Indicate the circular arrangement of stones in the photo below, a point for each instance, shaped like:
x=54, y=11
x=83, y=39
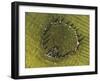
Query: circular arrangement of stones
x=59, y=39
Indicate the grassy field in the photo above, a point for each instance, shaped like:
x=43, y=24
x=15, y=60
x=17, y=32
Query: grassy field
x=34, y=26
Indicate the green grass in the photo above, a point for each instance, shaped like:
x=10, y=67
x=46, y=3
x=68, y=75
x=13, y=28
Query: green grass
x=34, y=25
